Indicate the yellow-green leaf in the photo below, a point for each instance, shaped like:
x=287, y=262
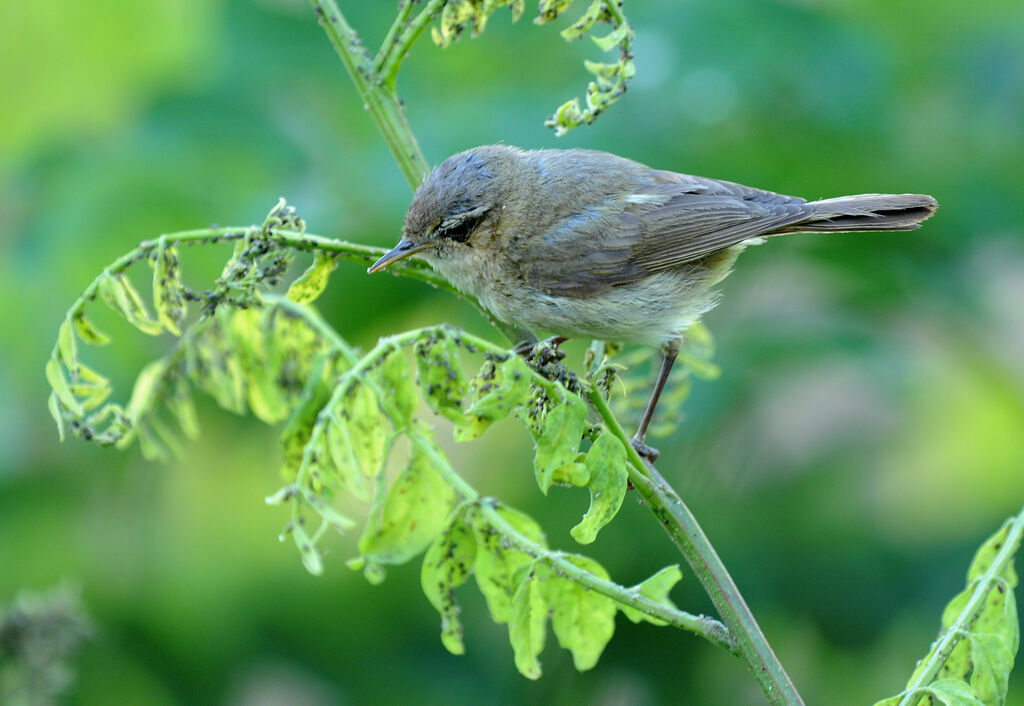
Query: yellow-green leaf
x=313, y=281
x=59, y=385
x=559, y=441
x=583, y=620
x=398, y=392
x=88, y=331
x=446, y=566
x=497, y=563
x=606, y=464
x=527, y=626
x=408, y=517
x=494, y=393
x=656, y=588
x=168, y=289
x=440, y=376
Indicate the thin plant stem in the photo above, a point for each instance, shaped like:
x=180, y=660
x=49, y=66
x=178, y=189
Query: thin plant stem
x=687, y=535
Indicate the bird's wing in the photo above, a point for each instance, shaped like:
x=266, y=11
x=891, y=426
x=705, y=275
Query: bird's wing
x=671, y=220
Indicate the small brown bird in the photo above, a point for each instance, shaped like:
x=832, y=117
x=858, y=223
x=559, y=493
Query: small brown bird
x=580, y=243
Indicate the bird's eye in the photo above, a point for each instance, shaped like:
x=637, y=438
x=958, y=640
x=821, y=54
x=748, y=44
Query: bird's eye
x=459, y=231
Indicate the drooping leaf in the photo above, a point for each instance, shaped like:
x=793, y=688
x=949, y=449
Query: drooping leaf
x=313, y=281
x=583, y=620
x=307, y=549
x=146, y=389
x=59, y=385
x=213, y=366
x=91, y=388
x=88, y=331
x=494, y=393
x=356, y=437
x=656, y=588
x=299, y=427
x=168, y=289
x=440, y=376
x=497, y=563
x=183, y=407
x=559, y=441
x=596, y=11
x=250, y=340
x=409, y=515
x=527, y=625
x=607, y=480
x=58, y=416
x=119, y=294
x=398, y=392
x=446, y=566
x=613, y=39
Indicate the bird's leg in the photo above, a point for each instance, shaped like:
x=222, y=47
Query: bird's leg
x=671, y=350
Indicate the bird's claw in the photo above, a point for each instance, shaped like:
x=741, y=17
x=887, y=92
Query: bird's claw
x=646, y=452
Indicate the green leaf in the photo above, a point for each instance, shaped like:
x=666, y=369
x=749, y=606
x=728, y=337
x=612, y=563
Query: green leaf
x=168, y=289
x=356, y=437
x=577, y=29
x=88, y=332
x=410, y=514
x=183, y=407
x=313, y=281
x=54, y=404
x=250, y=340
x=119, y=294
x=307, y=549
x=147, y=388
x=398, y=392
x=214, y=367
x=66, y=345
x=606, y=465
x=953, y=692
x=440, y=376
x=613, y=39
x=559, y=441
x=526, y=626
x=497, y=563
x=548, y=10
x=299, y=427
x=494, y=393
x=583, y=620
x=446, y=566
x=656, y=588
x=92, y=388
x=59, y=385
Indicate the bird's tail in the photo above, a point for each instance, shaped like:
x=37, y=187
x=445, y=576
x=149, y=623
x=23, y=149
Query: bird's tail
x=866, y=212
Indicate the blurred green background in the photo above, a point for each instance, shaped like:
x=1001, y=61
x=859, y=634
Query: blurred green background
x=867, y=432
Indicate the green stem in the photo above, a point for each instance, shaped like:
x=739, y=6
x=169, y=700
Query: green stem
x=396, y=46
x=961, y=626
x=687, y=535
x=379, y=99
x=708, y=628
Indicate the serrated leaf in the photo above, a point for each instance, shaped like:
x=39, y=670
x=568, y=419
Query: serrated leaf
x=526, y=626
x=446, y=566
x=313, y=281
x=656, y=588
x=494, y=393
x=559, y=441
x=612, y=39
x=398, y=392
x=440, y=376
x=606, y=466
x=497, y=563
x=168, y=289
x=119, y=294
x=88, y=332
x=583, y=620
x=408, y=517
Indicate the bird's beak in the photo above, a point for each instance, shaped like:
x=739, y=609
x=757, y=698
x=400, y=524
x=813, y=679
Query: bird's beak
x=404, y=249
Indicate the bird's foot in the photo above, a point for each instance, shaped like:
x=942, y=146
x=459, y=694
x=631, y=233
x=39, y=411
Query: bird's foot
x=548, y=345
x=646, y=452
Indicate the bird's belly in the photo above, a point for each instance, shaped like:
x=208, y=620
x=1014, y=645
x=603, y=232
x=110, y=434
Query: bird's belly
x=654, y=310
